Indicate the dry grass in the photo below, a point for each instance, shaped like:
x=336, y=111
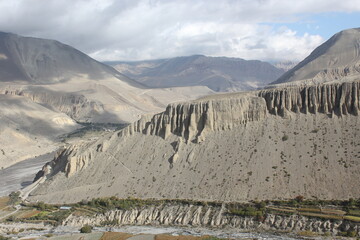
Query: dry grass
x=288, y=210
x=115, y=236
x=322, y=210
x=28, y=213
x=307, y=234
x=333, y=211
x=4, y=202
x=352, y=218
x=325, y=216
x=181, y=237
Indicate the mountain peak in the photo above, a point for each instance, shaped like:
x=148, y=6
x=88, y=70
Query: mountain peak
x=331, y=61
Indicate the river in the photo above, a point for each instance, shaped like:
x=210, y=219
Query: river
x=22, y=174
x=147, y=232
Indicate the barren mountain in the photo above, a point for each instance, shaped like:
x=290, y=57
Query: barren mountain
x=284, y=65
x=338, y=59
x=63, y=78
x=42, y=80
x=218, y=73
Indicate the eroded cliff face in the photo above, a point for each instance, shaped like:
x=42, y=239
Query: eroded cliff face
x=191, y=121
x=78, y=107
x=338, y=99
x=270, y=144
x=210, y=216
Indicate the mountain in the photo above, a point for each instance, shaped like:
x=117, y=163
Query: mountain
x=43, y=61
x=46, y=87
x=63, y=78
x=338, y=59
x=284, y=65
x=218, y=73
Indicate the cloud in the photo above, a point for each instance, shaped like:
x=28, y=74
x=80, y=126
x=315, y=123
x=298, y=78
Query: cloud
x=148, y=29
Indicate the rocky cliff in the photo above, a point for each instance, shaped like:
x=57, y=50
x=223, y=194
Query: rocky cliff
x=269, y=144
x=76, y=106
x=190, y=120
x=334, y=99
x=210, y=216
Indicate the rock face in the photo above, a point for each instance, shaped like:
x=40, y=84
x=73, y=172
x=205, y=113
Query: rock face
x=338, y=59
x=210, y=216
x=190, y=120
x=220, y=74
x=337, y=99
x=269, y=144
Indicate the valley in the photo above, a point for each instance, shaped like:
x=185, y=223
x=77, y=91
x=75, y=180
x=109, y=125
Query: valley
x=112, y=154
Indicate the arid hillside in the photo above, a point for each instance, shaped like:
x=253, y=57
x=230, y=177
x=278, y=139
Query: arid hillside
x=336, y=60
x=270, y=144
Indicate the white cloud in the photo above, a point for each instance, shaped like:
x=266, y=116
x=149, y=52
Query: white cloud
x=146, y=29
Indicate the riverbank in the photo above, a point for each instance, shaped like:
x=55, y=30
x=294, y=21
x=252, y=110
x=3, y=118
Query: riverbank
x=22, y=174
x=298, y=217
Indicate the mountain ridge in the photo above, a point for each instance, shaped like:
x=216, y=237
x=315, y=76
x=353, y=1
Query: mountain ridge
x=217, y=73
x=338, y=54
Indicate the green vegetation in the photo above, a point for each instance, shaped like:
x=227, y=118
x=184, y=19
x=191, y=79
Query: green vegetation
x=246, y=211
x=95, y=127
x=14, y=198
x=86, y=229
x=348, y=210
x=214, y=238
x=285, y=138
x=4, y=238
x=348, y=234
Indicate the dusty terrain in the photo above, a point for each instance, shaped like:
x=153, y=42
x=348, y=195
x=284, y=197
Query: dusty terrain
x=28, y=129
x=270, y=144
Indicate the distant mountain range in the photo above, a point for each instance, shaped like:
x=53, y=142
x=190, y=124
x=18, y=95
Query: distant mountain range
x=220, y=74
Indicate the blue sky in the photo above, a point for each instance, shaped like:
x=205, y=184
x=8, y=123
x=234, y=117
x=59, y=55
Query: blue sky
x=152, y=29
x=323, y=24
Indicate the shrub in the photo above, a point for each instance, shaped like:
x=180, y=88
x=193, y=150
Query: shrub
x=285, y=137
x=86, y=229
x=14, y=198
x=4, y=238
x=299, y=198
x=348, y=234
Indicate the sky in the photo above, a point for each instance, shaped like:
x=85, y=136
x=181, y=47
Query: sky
x=130, y=30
